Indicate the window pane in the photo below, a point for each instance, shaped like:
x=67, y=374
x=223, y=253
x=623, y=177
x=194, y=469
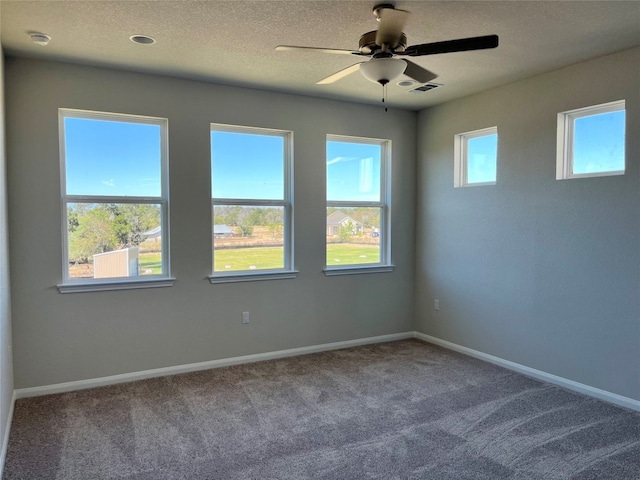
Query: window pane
x=247, y=238
x=599, y=143
x=353, y=235
x=248, y=166
x=109, y=240
x=111, y=158
x=353, y=172
x=482, y=153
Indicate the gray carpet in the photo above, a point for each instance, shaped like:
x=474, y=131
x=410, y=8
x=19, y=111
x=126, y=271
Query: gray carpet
x=400, y=410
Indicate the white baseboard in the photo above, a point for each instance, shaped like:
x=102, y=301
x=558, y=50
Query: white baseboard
x=7, y=430
x=537, y=374
x=227, y=362
x=193, y=367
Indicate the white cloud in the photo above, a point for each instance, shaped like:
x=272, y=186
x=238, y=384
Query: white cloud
x=341, y=159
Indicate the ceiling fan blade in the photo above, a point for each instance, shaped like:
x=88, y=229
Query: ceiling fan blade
x=392, y=23
x=419, y=74
x=340, y=74
x=449, y=46
x=284, y=48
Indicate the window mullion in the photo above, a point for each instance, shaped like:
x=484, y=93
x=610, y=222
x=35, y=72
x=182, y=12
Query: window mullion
x=248, y=202
x=103, y=199
x=346, y=204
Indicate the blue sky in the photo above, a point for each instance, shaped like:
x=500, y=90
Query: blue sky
x=247, y=166
x=106, y=158
x=353, y=171
x=112, y=158
x=251, y=166
x=599, y=143
x=482, y=157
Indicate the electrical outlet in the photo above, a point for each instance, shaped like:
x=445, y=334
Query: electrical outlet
x=436, y=305
x=245, y=317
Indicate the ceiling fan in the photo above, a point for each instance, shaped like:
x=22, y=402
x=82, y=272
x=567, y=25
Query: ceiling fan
x=386, y=44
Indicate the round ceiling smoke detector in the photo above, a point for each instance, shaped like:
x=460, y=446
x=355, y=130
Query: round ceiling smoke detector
x=142, y=39
x=40, y=38
x=405, y=83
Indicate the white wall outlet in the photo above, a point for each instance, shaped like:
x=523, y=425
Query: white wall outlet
x=436, y=305
x=245, y=317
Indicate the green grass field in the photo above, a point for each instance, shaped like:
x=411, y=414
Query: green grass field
x=255, y=258
x=150, y=261
x=259, y=258
x=352, y=254
x=272, y=257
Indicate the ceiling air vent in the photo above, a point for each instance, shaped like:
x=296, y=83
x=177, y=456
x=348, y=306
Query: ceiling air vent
x=425, y=88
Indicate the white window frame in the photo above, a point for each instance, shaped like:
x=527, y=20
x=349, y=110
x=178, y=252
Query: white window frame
x=74, y=285
x=461, y=160
x=288, y=270
x=564, y=153
x=385, y=264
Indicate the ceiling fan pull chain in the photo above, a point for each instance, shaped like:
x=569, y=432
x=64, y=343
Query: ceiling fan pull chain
x=384, y=94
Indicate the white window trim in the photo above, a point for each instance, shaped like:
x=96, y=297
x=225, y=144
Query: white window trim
x=384, y=204
x=76, y=285
x=564, y=151
x=287, y=203
x=358, y=270
x=460, y=158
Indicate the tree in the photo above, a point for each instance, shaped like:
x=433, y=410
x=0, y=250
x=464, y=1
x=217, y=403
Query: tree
x=103, y=227
x=246, y=229
x=346, y=231
x=131, y=221
x=90, y=232
x=276, y=230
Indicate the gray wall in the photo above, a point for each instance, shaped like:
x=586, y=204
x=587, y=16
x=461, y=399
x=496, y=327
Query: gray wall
x=66, y=337
x=6, y=361
x=537, y=271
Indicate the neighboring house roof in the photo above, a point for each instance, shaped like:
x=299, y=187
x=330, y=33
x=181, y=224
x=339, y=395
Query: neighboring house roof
x=222, y=230
x=154, y=232
x=339, y=218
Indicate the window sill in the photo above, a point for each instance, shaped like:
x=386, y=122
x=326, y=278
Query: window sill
x=476, y=184
x=330, y=272
x=609, y=173
x=252, y=277
x=115, y=285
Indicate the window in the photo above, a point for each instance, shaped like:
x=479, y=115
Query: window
x=114, y=201
x=475, y=158
x=357, y=228
x=591, y=141
x=251, y=174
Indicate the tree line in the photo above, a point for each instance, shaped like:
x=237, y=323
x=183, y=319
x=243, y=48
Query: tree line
x=104, y=227
x=245, y=218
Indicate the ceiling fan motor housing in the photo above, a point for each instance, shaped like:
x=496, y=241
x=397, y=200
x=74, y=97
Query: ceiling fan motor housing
x=367, y=44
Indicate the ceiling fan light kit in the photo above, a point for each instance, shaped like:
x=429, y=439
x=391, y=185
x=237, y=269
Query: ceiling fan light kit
x=383, y=70
x=388, y=42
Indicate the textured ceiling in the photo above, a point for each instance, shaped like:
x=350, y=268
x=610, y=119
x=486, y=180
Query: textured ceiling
x=233, y=42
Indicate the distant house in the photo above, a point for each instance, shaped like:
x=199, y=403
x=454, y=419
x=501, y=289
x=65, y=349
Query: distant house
x=153, y=234
x=338, y=220
x=222, y=231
